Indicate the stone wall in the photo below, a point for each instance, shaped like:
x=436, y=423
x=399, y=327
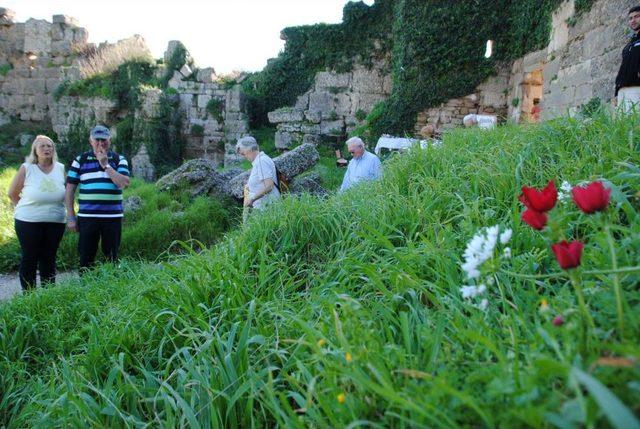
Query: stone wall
x=337, y=103
x=35, y=56
x=582, y=59
x=579, y=63
x=489, y=98
x=210, y=135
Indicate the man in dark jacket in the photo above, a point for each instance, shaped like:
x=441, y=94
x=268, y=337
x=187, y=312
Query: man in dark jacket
x=628, y=79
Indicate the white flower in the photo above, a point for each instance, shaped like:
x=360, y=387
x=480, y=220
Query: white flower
x=507, y=252
x=479, y=249
x=467, y=291
x=564, y=193
x=506, y=236
x=483, y=304
x=472, y=291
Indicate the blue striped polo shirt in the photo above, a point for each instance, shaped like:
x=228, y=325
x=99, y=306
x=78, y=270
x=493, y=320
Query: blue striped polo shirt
x=98, y=196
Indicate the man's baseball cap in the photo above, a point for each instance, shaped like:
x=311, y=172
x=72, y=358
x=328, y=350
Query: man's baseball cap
x=100, y=132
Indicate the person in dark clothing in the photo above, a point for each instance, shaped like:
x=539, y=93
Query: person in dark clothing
x=628, y=79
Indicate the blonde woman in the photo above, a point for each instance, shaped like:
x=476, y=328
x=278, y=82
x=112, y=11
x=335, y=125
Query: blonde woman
x=37, y=193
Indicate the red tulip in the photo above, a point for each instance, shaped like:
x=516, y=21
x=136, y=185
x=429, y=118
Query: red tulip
x=568, y=254
x=536, y=220
x=591, y=198
x=540, y=201
x=558, y=320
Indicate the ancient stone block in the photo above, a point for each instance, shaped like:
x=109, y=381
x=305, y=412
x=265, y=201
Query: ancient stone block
x=291, y=164
x=186, y=71
x=365, y=102
x=302, y=102
x=234, y=100
x=206, y=75
x=343, y=105
x=283, y=140
x=326, y=81
x=313, y=116
x=311, y=138
x=36, y=37
x=367, y=81
x=321, y=102
x=332, y=127
x=6, y=16
x=285, y=115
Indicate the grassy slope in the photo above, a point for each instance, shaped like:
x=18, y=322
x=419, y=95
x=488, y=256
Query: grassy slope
x=256, y=331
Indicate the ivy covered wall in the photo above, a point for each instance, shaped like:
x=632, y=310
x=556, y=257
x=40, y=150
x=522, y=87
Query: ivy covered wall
x=436, y=48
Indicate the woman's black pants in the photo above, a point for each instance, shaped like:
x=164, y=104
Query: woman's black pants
x=39, y=242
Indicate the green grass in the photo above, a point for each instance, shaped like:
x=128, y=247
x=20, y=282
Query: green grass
x=347, y=311
x=150, y=233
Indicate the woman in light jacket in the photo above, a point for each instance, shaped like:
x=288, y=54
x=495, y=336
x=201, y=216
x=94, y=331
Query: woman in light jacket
x=37, y=193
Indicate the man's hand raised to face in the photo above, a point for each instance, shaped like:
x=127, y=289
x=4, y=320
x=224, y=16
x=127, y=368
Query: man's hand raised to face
x=101, y=155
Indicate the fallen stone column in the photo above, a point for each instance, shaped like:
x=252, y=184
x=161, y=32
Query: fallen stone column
x=291, y=164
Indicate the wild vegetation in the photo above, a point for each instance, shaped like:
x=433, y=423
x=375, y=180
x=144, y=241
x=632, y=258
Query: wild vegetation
x=400, y=32
x=348, y=311
x=150, y=233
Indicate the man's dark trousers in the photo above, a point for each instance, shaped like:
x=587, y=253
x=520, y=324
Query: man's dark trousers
x=106, y=230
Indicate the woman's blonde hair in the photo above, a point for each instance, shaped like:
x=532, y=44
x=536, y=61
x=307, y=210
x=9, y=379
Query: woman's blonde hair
x=32, y=158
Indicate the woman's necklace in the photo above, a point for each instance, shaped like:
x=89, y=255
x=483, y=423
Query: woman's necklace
x=47, y=169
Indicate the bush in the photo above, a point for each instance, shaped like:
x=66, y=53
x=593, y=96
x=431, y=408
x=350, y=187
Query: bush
x=197, y=130
x=215, y=108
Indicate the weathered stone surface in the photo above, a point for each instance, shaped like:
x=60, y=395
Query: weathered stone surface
x=132, y=204
x=141, y=166
x=313, y=116
x=291, y=164
x=308, y=184
x=283, y=140
x=368, y=81
x=285, y=115
x=198, y=177
x=64, y=19
x=36, y=37
x=332, y=81
x=332, y=127
x=186, y=71
x=206, y=75
x=150, y=102
x=320, y=102
x=6, y=16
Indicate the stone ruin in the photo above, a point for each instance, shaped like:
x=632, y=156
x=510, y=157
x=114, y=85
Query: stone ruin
x=37, y=56
x=202, y=177
x=335, y=105
x=214, y=115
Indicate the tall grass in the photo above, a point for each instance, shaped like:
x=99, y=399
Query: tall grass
x=346, y=312
x=107, y=58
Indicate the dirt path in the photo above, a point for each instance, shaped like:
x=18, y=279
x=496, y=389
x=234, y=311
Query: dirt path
x=10, y=283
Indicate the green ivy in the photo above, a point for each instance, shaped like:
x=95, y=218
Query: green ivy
x=312, y=48
x=437, y=49
x=215, y=107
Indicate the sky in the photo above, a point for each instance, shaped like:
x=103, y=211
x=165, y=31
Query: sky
x=225, y=34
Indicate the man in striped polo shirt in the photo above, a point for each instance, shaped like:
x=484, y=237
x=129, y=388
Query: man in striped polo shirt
x=102, y=175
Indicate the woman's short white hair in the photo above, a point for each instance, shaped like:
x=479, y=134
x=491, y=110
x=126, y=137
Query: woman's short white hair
x=247, y=143
x=32, y=158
